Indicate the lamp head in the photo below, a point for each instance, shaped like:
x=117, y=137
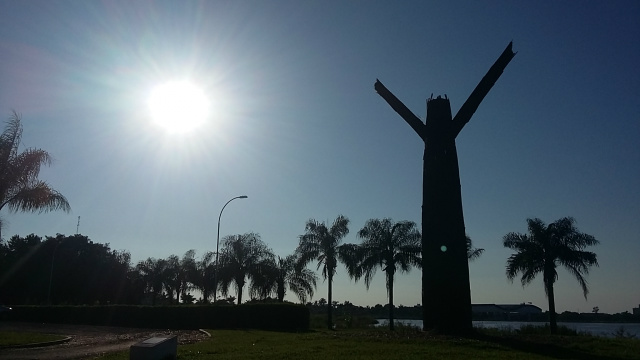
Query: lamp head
x=242, y=197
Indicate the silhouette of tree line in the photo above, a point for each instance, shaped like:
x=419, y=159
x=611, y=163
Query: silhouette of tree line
x=64, y=269
x=75, y=270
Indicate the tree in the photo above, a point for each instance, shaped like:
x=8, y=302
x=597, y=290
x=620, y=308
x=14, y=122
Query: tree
x=323, y=245
x=176, y=274
x=201, y=275
x=24, y=270
x=242, y=256
x=84, y=272
x=391, y=247
x=546, y=247
x=20, y=188
x=187, y=263
x=446, y=293
x=152, y=272
x=283, y=273
x=64, y=269
x=472, y=253
x=171, y=277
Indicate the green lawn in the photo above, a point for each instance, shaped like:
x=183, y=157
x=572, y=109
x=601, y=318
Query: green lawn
x=403, y=344
x=11, y=338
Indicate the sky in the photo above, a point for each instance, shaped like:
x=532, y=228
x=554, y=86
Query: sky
x=296, y=126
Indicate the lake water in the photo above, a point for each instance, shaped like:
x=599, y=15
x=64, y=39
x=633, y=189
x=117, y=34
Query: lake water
x=596, y=329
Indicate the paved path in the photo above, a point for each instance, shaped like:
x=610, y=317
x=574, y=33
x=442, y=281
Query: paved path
x=87, y=341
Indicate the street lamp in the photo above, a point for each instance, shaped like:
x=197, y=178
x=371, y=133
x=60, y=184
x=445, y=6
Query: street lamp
x=215, y=273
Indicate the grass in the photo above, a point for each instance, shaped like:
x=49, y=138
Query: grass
x=404, y=343
x=12, y=338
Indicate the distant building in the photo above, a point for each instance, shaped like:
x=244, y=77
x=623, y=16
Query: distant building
x=501, y=312
x=636, y=311
x=505, y=309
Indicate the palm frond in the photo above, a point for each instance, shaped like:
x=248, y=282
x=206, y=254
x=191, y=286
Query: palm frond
x=302, y=283
x=10, y=138
x=339, y=229
x=472, y=253
x=20, y=188
x=38, y=197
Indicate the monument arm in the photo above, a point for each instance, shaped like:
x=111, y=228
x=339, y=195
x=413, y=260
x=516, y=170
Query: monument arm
x=401, y=109
x=471, y=105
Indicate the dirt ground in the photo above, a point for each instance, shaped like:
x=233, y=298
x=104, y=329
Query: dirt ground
x=87, y=341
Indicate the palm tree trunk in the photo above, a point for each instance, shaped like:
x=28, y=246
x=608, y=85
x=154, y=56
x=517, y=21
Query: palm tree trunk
x=390, y=282
x=552, y=309
x=240, y=289
x=281, y=291
x=329, y=304
x=446, y=294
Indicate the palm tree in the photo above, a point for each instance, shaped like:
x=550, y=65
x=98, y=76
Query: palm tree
x=201, y=275
x=263, y=283
x=171, y=277
x=391, y=247
x=546, y=247
x=282, y=273
x=20, y=188
x=472, y=253
x=323, y=244
x=242, y=256
x=176, y=274
x=187, y=263
x=151, y=271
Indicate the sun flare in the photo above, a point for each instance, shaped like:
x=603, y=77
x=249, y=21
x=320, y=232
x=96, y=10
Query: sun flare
x=178, y=106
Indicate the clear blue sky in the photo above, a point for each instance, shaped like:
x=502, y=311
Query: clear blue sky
x=297, y=126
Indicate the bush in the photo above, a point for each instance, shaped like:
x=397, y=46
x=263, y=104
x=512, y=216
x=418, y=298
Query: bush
x=620, y=333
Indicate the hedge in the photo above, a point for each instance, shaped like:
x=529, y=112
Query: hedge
x=271, y=316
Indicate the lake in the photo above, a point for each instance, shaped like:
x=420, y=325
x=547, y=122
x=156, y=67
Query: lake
x=596, y=329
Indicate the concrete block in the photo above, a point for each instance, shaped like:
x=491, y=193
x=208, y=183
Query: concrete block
x=155, y=348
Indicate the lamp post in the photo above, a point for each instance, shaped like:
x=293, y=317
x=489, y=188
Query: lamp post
x=215, y=273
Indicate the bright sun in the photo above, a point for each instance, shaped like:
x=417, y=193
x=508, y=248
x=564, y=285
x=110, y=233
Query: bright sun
x=178, y=106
